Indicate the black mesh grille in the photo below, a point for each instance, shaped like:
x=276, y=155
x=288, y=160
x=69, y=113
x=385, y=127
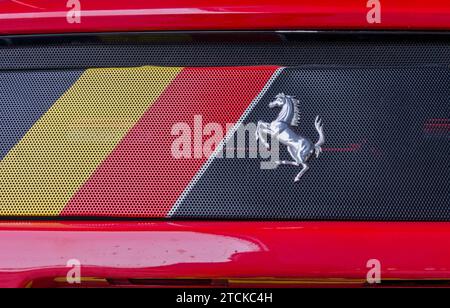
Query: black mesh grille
x=225, y=49
x=386, y=155
x=384, y=99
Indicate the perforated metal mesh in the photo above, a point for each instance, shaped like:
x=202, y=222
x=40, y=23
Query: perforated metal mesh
x=142, y=177
x=232, y=49
x=53, y=144
x=69, y=136
x=381, y=160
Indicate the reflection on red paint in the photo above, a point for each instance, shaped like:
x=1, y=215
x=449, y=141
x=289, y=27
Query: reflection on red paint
x=223, y=250
x=43, y=16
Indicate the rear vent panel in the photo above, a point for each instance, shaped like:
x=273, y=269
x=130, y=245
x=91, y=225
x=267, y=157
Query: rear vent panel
x=149, y=126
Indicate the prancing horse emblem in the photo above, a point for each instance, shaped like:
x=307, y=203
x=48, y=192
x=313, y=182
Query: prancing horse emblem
x=300, y=148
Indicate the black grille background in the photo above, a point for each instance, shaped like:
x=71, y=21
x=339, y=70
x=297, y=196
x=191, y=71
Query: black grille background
x=376, y=90
x=396, y=170
x=378, y=49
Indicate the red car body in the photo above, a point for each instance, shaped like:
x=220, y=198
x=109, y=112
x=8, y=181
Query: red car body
x=239, y=253
x=223, y=253
x=38, y=16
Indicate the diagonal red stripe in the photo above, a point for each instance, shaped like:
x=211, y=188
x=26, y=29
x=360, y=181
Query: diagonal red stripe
x=141, y=178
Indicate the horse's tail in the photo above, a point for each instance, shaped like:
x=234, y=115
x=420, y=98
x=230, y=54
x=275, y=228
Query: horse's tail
x=321, y=141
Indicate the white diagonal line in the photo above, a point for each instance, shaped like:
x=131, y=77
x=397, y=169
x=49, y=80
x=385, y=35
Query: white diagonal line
x=224, y=141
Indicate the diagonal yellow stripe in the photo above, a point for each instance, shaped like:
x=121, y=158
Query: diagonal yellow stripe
x=58, y=154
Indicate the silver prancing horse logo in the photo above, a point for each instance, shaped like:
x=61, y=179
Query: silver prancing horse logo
x=300, y=148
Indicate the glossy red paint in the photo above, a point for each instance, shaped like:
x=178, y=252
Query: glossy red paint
x=45, y=16
x=231, y=250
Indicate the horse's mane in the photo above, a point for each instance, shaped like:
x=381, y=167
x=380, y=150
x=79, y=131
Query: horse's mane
x=296, y=117
x=296, y=111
